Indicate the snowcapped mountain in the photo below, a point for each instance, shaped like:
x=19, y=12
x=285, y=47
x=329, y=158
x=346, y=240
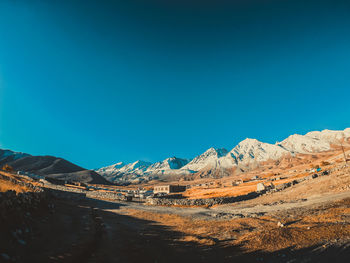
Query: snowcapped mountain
x=168, y=164
x=247, y=154
x=209, y=157
x=304, y=144
x=137, y=167
x=316, y=141
x=141, y=170
x=117, y=171
x=252, y=150
x=332, y=137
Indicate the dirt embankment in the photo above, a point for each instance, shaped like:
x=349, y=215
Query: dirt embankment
x=18, y=201
x=36, y=226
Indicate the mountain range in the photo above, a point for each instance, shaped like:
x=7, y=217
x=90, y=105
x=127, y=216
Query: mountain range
x=246, y=155
x=214, y=162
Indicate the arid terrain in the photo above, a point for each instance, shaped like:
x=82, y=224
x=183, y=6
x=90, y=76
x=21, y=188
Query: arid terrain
x=174, y=131
x=308, y=221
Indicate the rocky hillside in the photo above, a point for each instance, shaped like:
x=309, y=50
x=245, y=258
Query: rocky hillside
x=9, y=156
x=50, y=166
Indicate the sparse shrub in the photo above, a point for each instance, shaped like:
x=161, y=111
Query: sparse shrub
x=7, y=168
x=324, y=163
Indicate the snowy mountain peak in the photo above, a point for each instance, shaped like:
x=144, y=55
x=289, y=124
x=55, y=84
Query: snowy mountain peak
x=136, y=166
x=253, y=150
x=168, y=164
x=219, y=152
x=333, y=137
x=249, y=141
x=118, y=165
x=315, y=141
x=248, y=153
x=210, y=156
x=120, y=168
x=139, y=164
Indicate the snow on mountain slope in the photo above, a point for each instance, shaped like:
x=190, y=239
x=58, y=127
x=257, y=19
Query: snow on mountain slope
x=138, y=167
x=168, y=164
x=316, y=141
x=11, y=155
x=304, y=144
x=332, y=137
x=247, y=153
x=120, y=172
x=209, y=157
x=110, y=170
x=252, y=150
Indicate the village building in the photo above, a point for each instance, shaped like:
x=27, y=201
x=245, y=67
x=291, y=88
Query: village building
x=260, y=187
x=168, y=189
x=237, y=182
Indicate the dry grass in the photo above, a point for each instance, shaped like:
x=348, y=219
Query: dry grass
x=220, y=192
x=204, y=232
x=319, y=226
x=307, y=229
x=291, y=168
x=6, y=185
x=274, y=239
x=242, y=189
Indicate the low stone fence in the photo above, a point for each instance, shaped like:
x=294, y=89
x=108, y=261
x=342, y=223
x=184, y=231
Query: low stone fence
x=15, y=205
x=9, y=200
x=105, y=195
x=60, y=191
x=297, y=181
x=202, y=202
x=70, y=195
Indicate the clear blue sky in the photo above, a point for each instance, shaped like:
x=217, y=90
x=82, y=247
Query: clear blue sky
x=105, y=81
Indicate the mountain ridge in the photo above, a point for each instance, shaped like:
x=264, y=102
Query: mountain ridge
x=247, y=153
x=50, y=167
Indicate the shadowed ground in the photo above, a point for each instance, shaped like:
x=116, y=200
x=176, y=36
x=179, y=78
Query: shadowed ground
x=87, y=231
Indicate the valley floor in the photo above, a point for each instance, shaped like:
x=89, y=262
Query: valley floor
x=317, y=230
x=308, y=222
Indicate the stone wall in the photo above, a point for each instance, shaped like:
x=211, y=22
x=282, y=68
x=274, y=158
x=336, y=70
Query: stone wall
x=202, y=202
x=60, y=191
